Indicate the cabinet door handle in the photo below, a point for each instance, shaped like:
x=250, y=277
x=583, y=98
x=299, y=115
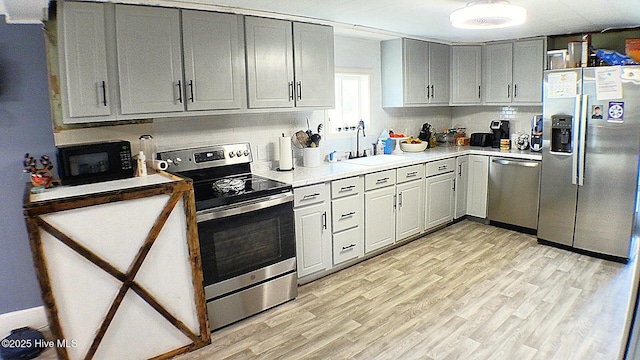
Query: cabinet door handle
x=479, y=91
x=433, y=91
x=411, y=174
x=191, y=90
x=509, y=91
x=310, y=196
x=104, y=93
x=324, y=220
x=395, y=202
x=347, y=188
x=454, y=185
x=515, y=90
x=442, y=167
x=180, y=91
x=459, y=169
x=382, y=180
x=428, y=91
x=299, y=90
x=348, y=247
x=349, y=214
x=290, y=90
x=400, y=200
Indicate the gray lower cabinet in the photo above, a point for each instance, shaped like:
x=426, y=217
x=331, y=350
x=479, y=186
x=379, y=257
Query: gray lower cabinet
x=289, y=64
x=440, y=192
x=461, y=185
x=312, y=210
x=347, y=212
x=380, y=208
x=149, y=59
x=410, y=205
x=477, y=192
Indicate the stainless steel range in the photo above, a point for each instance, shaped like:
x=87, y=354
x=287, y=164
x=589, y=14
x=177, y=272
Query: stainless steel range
x=246, y=231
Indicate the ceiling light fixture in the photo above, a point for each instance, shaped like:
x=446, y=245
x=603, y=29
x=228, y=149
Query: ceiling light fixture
x=488, y=14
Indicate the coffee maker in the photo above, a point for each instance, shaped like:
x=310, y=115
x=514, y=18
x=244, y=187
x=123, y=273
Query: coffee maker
x=536, y=133
x=500, y=130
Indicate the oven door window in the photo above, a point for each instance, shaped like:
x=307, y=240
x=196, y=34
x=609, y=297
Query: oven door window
x=238, y=244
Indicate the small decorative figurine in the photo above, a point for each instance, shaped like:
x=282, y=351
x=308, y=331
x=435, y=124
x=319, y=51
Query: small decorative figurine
x=41, y=178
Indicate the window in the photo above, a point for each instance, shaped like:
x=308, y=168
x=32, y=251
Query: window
x=352, y=101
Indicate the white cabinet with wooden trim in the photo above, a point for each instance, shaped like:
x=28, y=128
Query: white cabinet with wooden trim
x=117, y=260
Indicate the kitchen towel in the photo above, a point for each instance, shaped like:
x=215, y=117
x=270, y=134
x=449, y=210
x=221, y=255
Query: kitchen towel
x=286, y=155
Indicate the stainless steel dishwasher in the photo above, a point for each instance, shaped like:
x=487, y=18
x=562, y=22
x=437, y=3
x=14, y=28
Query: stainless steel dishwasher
x=514, y=187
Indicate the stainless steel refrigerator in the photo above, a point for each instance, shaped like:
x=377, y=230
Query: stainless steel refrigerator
x=589, y=179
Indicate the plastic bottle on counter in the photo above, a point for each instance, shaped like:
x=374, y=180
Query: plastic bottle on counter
x=142, y=164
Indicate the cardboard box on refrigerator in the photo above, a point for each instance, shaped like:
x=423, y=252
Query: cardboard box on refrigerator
x=632, y=48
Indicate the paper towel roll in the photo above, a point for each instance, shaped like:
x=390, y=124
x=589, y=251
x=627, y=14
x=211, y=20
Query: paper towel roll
x=286, y=158
x=159, y=164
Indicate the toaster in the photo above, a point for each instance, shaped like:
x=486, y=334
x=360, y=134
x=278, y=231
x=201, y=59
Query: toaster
x=481, y=139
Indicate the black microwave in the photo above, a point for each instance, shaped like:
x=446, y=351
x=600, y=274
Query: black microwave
x=95, y=162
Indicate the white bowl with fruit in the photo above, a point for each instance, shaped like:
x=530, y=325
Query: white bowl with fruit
x=413, y=145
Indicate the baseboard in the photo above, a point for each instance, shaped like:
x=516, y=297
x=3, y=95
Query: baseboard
x=35, y=318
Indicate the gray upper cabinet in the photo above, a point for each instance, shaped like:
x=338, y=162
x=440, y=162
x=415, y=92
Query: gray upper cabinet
x=314, y=65
x=85, y=83
x=512, y=72
x=414, y=73
x=149, y=59
x=274, y=80
x=466, y=75
x=528, y=69
x=213, y=51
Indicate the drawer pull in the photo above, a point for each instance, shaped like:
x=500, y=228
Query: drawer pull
x=381, y=181
x=310, y=196
x=348, y=247
x=347, y=215
x=442, y=167
x=412, y=174
x=347, y=188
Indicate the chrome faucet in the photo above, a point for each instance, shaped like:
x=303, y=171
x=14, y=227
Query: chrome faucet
x=360, y=127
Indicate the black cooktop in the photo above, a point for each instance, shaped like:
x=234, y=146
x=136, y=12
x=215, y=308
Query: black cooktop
x=211, y=193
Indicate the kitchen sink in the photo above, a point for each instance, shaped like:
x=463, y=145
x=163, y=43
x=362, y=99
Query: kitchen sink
x=377, y=160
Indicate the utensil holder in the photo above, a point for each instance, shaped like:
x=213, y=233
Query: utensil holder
x=311, y=157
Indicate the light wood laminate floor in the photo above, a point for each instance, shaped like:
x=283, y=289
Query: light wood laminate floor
x=469, y=291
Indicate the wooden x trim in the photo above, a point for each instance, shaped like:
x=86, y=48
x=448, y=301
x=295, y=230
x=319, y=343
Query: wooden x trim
x=127, y=278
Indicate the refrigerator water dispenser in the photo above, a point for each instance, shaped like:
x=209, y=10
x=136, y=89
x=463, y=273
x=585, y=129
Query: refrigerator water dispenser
x=561, y=128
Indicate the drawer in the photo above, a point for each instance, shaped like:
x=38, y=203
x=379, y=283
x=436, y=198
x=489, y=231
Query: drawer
x=309, y=195
x=348, y=245
x=347, y=212
x=346, y=187
x=379, y=179
x=409, y=173
x=441, y=166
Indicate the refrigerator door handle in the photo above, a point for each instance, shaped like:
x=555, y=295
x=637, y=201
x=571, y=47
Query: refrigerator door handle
x=576, y=136
x=583, y=136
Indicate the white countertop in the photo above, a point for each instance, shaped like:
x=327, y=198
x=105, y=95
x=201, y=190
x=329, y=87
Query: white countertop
x=60, y=192
x=303, y=176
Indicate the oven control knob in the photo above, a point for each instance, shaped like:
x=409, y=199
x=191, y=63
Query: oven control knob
x=246, y=153
x=169, y=161
x=239, y=153
x=232, y=154
x=177, y=161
